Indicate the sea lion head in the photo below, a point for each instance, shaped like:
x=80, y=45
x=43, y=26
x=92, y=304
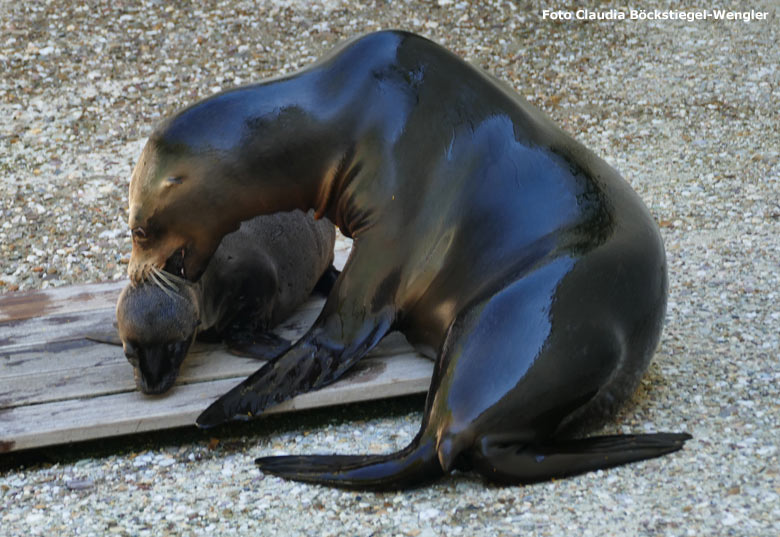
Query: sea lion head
x=211, y=166
x=179, y=209
x=157, y=323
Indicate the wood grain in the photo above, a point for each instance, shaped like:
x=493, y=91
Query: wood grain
x=57, y=387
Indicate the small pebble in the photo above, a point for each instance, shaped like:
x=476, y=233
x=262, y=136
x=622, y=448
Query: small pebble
x=80, y=484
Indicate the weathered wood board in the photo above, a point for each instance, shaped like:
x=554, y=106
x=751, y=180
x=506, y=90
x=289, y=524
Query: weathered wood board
x=56, y=386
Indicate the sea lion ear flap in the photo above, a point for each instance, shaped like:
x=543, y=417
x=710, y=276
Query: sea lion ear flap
x=109, y=337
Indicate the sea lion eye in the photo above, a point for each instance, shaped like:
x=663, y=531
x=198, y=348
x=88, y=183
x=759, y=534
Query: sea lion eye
x=139, y=234
x=175, y=179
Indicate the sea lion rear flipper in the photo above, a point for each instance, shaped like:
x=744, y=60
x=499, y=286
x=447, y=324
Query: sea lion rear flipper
x=512, y=464
x=264, y=346
x=413, y=466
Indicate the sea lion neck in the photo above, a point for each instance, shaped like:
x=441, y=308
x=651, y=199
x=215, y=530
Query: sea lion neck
x=290, y=143
x=266, y=143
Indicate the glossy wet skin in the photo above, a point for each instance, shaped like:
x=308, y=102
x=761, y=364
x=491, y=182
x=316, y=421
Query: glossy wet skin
x=166, y=188
x=497, y=244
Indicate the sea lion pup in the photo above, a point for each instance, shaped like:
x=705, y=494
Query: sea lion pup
x=493, y=240
x=256, y=279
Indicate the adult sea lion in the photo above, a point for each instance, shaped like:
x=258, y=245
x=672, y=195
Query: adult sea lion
x=494, y=241
x=256, y=279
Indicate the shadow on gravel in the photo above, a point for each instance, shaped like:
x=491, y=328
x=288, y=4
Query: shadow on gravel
x=226, y=439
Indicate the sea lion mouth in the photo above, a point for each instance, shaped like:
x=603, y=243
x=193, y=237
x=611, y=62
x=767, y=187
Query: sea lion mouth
x=155, y=387
x=156, y=367
x=175, y=263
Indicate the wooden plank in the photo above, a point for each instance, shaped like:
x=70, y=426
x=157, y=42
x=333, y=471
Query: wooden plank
x=56, y=386
x=125, y=413
x=59, y=300
x=29, y=336
x=83, y=369
x=36, y=368
x=19, y=335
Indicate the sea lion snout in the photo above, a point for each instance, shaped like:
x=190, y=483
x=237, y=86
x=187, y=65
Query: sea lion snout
x=152, y=250
x=157, y=366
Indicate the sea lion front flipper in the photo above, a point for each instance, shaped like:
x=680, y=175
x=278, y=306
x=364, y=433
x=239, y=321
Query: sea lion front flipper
x=348, y=327
x=314, y=361
x=503, y=462
x=264, y=346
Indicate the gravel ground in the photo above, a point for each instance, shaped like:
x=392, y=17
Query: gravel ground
x=688, y=111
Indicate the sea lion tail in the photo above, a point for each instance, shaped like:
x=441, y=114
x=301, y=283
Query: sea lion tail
x=414, y=465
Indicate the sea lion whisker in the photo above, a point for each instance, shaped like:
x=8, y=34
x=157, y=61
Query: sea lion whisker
x=155, y=278
x=175, y=278
x=164, y=277
x=152, y=277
